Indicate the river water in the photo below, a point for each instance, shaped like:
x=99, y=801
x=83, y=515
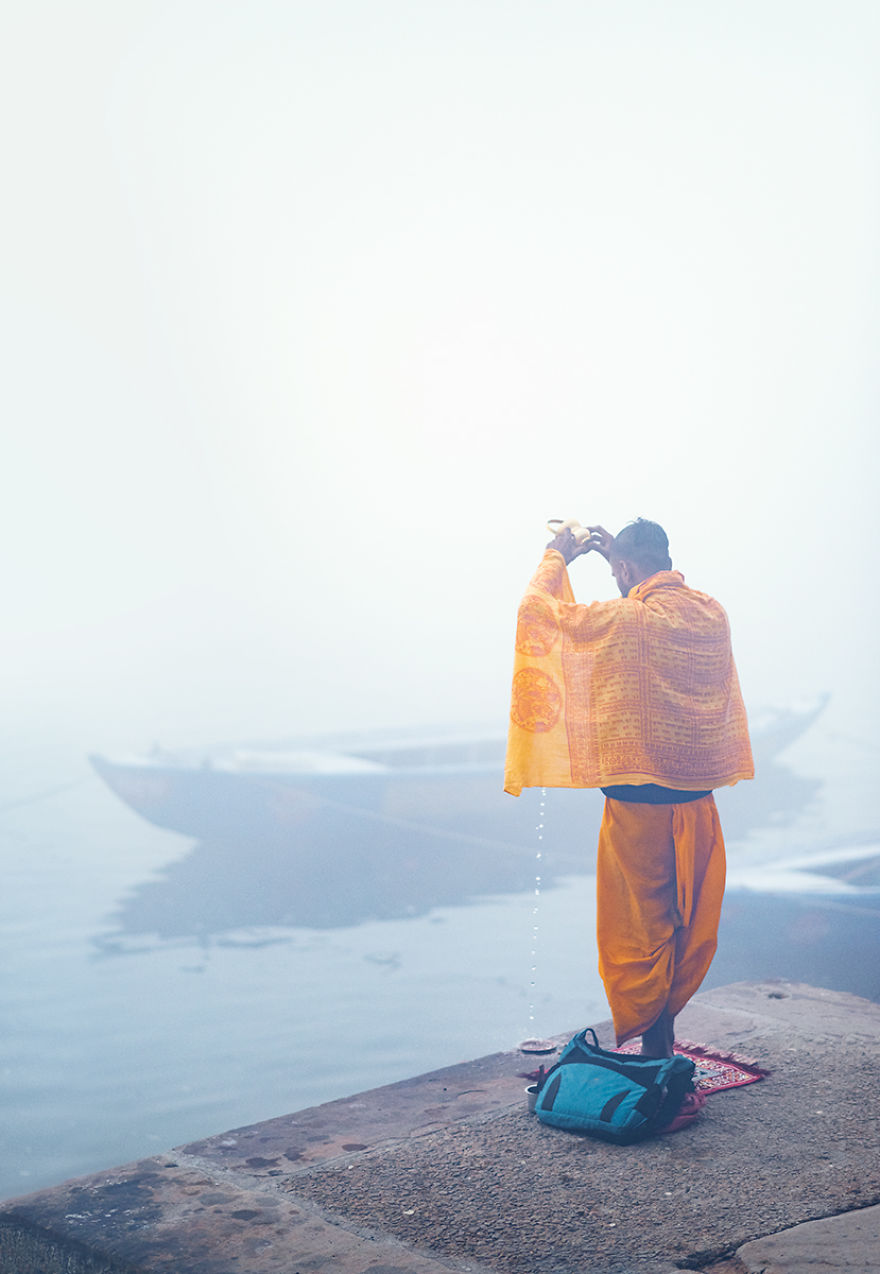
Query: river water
x=156, y=990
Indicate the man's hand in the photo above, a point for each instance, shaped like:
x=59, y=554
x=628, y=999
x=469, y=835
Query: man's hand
x=573, y=540
x=569, y=544
x=601, y=540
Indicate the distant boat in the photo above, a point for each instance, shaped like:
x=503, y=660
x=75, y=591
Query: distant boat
x=442, y=780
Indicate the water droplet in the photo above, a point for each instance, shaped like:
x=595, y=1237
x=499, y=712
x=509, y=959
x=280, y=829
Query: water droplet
x=539, y=832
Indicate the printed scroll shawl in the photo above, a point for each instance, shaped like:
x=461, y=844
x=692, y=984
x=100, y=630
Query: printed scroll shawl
x=642, y=689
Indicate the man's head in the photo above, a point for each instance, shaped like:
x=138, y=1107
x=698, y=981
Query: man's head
x=637, y=552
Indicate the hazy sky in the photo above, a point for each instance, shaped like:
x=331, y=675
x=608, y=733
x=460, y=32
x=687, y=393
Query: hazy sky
x=313, y=313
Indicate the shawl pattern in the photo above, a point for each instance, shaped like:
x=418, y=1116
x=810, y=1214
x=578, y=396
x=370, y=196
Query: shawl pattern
x=641, y=689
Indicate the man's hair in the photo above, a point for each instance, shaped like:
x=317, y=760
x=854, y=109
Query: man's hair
x=645, y=544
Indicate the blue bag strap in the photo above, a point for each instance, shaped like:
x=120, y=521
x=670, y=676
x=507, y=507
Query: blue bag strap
x=578, y=1049
x=641, y=1070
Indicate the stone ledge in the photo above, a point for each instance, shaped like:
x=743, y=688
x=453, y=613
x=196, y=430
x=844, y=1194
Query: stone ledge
x=448, y=1172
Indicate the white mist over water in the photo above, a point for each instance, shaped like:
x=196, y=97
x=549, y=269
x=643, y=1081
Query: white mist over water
x=313, y=315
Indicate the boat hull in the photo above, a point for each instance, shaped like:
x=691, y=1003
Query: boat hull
x=452, y=786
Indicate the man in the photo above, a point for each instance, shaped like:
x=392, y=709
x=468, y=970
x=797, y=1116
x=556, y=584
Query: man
x=639, y=697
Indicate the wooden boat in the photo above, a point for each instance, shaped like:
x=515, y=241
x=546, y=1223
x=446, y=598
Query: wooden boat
x=443, y=780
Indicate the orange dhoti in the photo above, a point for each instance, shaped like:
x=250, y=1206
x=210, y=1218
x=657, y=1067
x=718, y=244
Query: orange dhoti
x=659, y=885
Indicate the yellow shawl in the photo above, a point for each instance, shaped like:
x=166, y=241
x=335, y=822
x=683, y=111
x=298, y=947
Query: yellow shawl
x=642, y=689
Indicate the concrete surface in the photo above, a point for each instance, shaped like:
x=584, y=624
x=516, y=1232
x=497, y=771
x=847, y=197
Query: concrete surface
x=448, y=1172
x=849, y=1243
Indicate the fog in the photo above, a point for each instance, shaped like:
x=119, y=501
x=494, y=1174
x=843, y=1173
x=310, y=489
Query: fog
x=314, y=313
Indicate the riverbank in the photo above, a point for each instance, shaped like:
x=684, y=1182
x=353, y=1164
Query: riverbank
x=449, y=1172
x=253, y=956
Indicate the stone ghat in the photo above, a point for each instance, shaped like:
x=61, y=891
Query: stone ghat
x=449, y=1172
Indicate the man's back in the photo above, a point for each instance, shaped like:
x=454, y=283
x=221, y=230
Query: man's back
x=642, y=689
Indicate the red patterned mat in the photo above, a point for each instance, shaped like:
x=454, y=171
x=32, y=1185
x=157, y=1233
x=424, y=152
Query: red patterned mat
x=715, y=1071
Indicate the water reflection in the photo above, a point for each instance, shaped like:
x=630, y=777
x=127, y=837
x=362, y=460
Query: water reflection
x=341, y=865
x=825, y=941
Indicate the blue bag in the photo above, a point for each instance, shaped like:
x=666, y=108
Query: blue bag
x=616, y=1096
